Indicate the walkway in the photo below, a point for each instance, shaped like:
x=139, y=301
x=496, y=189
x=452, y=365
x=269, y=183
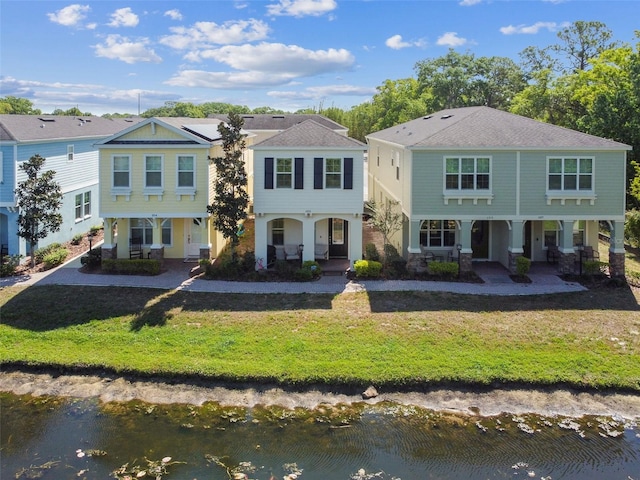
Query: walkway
x=177, y=276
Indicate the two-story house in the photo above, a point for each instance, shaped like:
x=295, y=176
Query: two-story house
x=67, y=144
x=492, y=185
x=308, y=194
x=155, y=184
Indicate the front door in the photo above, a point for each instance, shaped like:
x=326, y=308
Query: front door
x=193, y=233
x=338, y=238
x=480, y=240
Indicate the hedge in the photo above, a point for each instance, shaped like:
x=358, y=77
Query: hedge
x=134, y=266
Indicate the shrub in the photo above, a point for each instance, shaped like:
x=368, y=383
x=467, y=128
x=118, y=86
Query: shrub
x=593, y=267
x=443, y=269
x=40, y=253
x=55, y=257
x=9, y=265
x=371, y=252
x=309, y=271
x=134, y=266
x=77, y=239
x=523, y=264
x=632, y=227
x=95, y=229
x=367, y=268
x=93, y=258
x=390, y=252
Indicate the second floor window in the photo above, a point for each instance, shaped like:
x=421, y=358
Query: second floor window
x=284, y=172
x=153, y=170
x=333, y=173
x=186, y=171
x=69, y=153
x=121, y=171
x=467, y=173
x=570, y=174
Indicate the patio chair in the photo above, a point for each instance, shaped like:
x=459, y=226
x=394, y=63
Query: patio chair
x=291, y=252
x=135, y=248
x=322, y=252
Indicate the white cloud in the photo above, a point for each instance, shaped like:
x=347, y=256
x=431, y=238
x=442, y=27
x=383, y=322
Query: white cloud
x=123, y=17
x=97, y=99
x=531, y=29
x=117, y=47
x=323, y=92
x=468, y=3
x=204, y=34
x=301, y=8
x=451, y=39
x=396, y=43
x=70, y=16
x=173, y=14
x=277, y=58
x=264, y=65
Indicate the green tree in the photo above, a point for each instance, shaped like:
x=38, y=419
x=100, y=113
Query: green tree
x=387, y=218
x=18, y=106
x=231, y=199
x=462, y=80
x=581, y=41
x=39, y=199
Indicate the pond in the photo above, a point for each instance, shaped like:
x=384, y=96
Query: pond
x=62, y=438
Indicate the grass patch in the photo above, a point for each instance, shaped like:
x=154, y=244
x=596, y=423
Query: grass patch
x=584, y=339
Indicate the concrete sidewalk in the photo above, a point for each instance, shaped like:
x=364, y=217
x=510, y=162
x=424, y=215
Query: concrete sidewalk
x=177, y=276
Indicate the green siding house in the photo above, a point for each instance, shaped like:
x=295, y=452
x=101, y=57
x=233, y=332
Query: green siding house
x=478, y=184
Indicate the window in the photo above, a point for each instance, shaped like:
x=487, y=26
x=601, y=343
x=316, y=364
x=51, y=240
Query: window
x=570, y=174
x=121, y=171
x=438, y=233
x=277, y=231
x=69, y=153
x=186, y=171
x=333, y=173
x=143, y=229
x=551, y=232
x=83, y=206
x=467, y=173
x=578, y=232
x=284, y=172
x=153, y=170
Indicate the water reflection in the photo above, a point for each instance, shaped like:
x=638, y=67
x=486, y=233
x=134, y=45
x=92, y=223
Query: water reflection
x=53, y=438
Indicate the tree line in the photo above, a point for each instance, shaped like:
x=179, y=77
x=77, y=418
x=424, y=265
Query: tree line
x=585, y=81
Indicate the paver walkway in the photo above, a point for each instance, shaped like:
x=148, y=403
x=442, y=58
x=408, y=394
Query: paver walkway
x=177, y=277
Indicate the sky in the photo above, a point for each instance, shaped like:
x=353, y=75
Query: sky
x=127, y=56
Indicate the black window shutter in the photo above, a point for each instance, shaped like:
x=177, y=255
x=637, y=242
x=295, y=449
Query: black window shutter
x=268, y=173
x=299, y=174
x=317, y=173
x=348, y=173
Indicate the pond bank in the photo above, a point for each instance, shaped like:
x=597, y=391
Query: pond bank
x=113, y=388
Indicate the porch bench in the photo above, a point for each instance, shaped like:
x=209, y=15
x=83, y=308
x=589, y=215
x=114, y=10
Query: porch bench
x=321, y=251
x=291, y=252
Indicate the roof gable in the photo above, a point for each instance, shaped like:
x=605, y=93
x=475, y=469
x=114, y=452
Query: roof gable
x=310, y=134
x=33, y=128
x=267, y=121
x=484, y=127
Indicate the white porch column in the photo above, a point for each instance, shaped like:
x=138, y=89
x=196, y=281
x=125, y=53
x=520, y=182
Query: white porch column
x=355, y=239
x=308, y=239
x=261, y=241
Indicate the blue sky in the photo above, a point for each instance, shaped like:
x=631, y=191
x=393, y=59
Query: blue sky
x=102, y=56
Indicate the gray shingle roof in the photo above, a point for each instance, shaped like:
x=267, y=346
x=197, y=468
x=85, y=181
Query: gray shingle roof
x=27, y=128
x=310, y=134
x=484, y=127
x=267, y=121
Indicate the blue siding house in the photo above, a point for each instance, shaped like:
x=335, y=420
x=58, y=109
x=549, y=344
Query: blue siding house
x=67, y=144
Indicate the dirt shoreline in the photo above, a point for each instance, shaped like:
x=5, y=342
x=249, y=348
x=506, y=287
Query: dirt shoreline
x=113, y=388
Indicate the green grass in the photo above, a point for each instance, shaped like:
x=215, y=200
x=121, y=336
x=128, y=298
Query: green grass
x=587, y=339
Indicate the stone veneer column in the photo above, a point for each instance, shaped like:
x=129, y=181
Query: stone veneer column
x=616, y=264
x=567, y=263
x=205, y=252
x=110, y=251
x=466, y=262
x=513, y=261
x=415, y=263
x=157, y=253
